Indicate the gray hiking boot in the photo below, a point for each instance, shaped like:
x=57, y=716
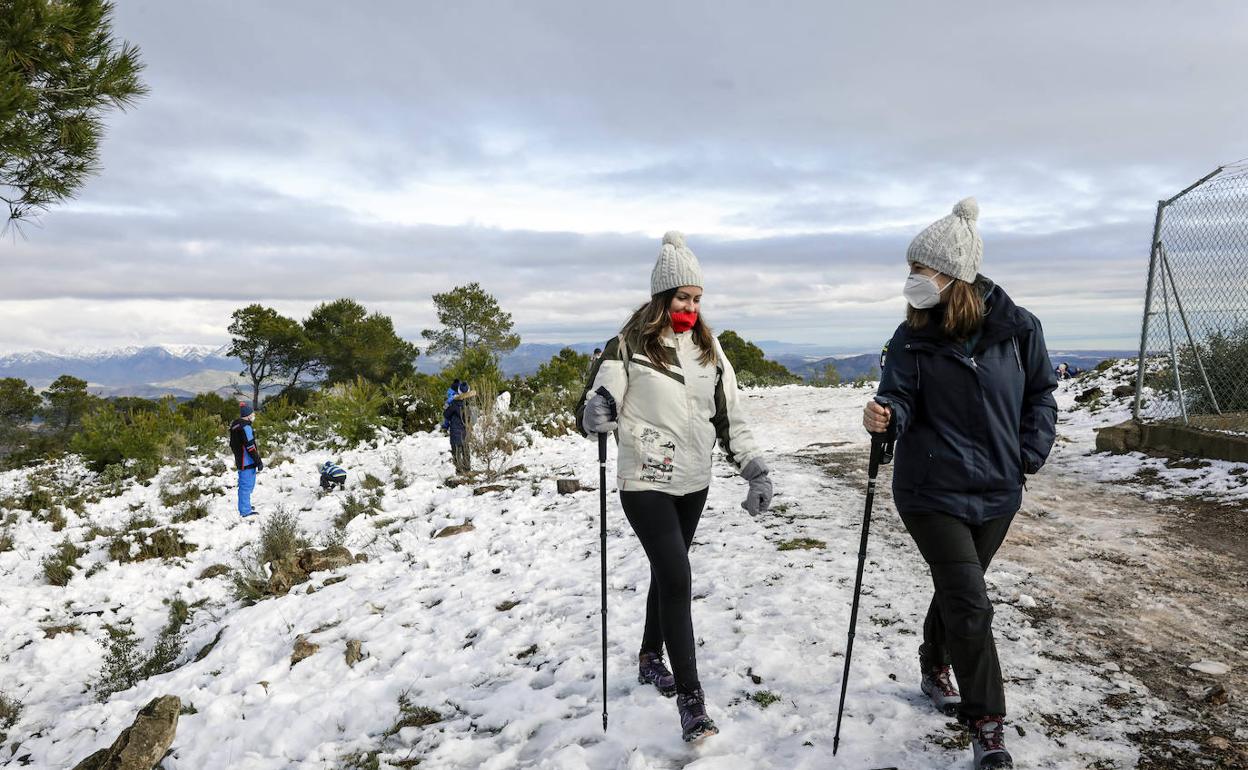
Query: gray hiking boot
x=988, y=741
x=937, y=685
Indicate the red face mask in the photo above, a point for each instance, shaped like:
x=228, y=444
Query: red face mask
x=683, y=322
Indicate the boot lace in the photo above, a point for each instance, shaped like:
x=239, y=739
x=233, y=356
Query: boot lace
x=940, y=675
x=990, y=733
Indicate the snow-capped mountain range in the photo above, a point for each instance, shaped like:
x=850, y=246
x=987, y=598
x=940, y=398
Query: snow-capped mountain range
x=178, y=370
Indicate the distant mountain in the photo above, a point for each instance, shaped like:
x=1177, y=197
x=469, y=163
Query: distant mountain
x=848, y=366
x=854, y=366
x=184, y=370
x=776, y=349
x=522, y=361
x=146, y=371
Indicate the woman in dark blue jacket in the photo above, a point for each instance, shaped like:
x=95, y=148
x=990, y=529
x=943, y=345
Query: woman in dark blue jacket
x=967, y=392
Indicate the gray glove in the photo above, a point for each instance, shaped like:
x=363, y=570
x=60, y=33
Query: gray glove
x=758, y=500
x=600, y=415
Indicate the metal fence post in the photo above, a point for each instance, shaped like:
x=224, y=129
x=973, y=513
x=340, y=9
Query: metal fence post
x=1148, y=311
x=1200, y=365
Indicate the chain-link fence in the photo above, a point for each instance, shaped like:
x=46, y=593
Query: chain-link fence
x=1194, y=341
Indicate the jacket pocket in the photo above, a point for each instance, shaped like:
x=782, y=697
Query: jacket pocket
x=656, y=455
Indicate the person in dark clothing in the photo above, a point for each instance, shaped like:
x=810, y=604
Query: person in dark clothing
x=332, y=476
x=247, y=460
x=967, y=393
x=457, y=419
x=451, y=393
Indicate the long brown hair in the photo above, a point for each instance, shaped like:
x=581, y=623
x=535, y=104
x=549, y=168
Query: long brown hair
x=961, y=315
x=645, y=328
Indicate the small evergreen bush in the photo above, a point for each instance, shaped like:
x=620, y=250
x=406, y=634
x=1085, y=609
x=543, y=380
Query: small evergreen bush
x=58, y=566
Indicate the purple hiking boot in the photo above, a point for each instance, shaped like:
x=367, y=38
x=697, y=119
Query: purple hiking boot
x=651, y=670
x=694, y=723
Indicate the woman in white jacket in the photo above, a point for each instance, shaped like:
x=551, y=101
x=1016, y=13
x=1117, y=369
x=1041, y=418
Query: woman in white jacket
x=666, y=389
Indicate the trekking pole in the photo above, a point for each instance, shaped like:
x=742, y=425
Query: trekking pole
x=602, y=533
x=881, y=453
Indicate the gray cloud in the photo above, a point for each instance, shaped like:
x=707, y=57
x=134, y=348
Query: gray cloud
x=295, y=152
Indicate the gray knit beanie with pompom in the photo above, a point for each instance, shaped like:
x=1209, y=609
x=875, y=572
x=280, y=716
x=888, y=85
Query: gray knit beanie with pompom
x=951, y=244
x=677, y=266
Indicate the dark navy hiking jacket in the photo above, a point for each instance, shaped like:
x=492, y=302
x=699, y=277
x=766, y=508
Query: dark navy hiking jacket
x=969, y=424
x=456, y=421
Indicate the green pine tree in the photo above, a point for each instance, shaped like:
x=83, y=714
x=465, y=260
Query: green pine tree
x=470, y=318
x=350, y=342
x=272, y=347
x=61, y=71
x=67, y=401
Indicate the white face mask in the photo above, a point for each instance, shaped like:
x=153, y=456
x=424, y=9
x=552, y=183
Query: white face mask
x=922, y=292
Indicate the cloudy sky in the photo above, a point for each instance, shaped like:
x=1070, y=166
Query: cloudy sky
x=295, y=152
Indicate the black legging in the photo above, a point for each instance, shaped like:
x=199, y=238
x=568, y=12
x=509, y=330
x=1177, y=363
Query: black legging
x=665, y=525
x=958, y=628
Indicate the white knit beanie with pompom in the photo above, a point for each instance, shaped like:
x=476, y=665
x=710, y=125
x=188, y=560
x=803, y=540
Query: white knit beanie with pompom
x=951, y=244
x=677, y=266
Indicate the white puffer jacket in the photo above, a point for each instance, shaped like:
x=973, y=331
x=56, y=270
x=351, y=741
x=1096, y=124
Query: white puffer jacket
x=669, y=419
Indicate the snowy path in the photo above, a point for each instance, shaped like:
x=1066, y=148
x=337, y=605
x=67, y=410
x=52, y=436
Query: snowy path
x=519, y=687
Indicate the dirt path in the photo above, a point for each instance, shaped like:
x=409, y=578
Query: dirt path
x=1135, y=589
x=1147, y=588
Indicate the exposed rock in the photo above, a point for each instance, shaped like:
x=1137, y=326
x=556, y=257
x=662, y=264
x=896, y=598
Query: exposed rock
x=284, y=574
x=295, y=568
x=488, y=488
x=314, y=560
x=216, y=570
x=335, y=579
x=458, y=529
x=510, y=604
x=303, y=649
x=1091, y=394
x=143, y=744
x=355, y=651
x=1210, y=667
x=1217, y=696
x=567, y=486
x=361, y=557
x=1123, y=391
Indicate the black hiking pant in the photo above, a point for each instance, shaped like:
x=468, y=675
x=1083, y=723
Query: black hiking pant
x=958, y=628
x=665, y=525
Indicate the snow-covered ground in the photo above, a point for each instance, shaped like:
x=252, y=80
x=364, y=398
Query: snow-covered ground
x=518, y=685
x=1214, y=479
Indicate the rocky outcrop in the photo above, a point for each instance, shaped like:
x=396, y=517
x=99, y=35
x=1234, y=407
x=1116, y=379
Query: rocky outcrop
x=294, y=568
x=143, y=744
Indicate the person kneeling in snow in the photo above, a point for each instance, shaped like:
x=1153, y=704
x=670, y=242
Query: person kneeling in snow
x=331, y=476
x=246, y=457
